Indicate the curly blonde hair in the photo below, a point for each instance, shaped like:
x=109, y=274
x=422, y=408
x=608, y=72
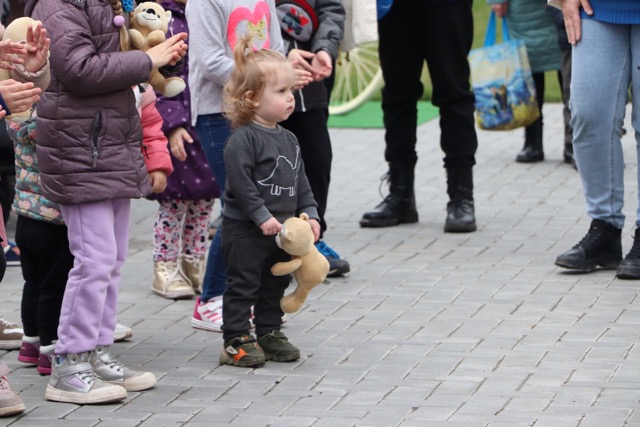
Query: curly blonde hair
x=124, y=33
x=248, y=80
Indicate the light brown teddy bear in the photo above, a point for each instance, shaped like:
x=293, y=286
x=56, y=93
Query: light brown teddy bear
x=149, y=24
x=309, y=267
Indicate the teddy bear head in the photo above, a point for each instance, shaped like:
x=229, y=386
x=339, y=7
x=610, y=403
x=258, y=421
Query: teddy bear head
x=150, y=16
x=296, y=237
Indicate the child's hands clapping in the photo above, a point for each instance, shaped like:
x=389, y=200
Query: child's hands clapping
x=271, y=227
x=169, y=51
x=177, y=137
x=302, y=68
x=11, y=53
x=37, y=48
x=321, y=64
x=18, y=97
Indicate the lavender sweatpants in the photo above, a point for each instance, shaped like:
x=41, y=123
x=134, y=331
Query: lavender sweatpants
x=99, y=240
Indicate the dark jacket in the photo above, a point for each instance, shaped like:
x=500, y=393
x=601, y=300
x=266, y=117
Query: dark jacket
x=89, y=132
x=328, y=35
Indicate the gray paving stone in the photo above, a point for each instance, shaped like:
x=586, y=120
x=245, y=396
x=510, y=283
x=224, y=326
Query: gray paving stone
x=429, y=329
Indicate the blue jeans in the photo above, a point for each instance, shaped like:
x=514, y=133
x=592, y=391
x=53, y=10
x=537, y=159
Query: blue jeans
x=604, y=65
x=213, y=131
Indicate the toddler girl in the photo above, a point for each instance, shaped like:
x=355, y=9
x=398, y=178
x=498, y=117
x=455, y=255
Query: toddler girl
x=259, y=156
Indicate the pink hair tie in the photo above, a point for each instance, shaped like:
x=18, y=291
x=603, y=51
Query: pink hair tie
x=118, y=20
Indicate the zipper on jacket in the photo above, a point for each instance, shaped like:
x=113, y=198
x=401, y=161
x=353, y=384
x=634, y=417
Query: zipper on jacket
x=302, y=106
x=96, y=126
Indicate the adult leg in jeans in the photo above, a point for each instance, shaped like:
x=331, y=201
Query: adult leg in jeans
x=213, y=131
x=601, y=73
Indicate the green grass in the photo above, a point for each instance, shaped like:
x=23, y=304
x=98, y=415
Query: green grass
x=481, y=16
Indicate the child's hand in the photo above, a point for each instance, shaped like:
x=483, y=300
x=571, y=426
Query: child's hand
x=322, y=66
x=315, y=227
x=301, y=67
x=11, y=53
x=37, y=46
x=177, y=137
x=170, y=50
x=18, y=97
x=158, y=181
x=271, y=227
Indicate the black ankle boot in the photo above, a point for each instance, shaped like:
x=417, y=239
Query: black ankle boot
x=532, y=150
x=600, y=247
x=400, y=205
x=629, y=268
x=460, y=209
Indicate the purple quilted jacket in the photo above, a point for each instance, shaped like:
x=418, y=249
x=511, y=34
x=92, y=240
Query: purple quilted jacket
x=89, y=132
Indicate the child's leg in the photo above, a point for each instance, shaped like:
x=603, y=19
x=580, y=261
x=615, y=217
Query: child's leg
x=166, y=234
x=45, y=268
x=91, y=293
x=196, y=227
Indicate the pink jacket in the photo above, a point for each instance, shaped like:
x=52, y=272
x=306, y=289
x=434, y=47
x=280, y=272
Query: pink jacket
x=154, y=142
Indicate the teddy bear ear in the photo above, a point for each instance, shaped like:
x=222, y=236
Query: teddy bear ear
x=168, y=14
x=304, y=216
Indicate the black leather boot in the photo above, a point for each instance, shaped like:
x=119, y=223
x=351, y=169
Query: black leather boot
x=600, y=247
x=532, y=150
x=400, y=205
x=629, y=268
x=460, y=209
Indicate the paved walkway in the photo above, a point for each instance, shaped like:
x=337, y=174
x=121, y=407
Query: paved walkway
x=430, y=329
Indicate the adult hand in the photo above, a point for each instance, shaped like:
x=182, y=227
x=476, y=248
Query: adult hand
x=177, y=138
x=300, y=59
x=571, y=14
x=18, y=97
x=170, y=50
x=37, y=46
x=271, y=227
x=500, y=9
x=322, y=66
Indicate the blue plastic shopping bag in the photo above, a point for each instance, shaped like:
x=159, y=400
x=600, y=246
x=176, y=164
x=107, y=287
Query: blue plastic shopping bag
x=502, y=82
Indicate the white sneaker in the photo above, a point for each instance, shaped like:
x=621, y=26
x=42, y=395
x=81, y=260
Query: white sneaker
x=10, y=335
x=170, y=282
x=208, y=316
x=122, y=332
x=73, y=381
x=114, y=372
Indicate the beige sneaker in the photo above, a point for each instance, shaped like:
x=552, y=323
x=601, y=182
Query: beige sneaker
x=114, y=372
x=10, y=402
x=193, y=269
x=10, y=335
x=170, y=282
x=74, y=381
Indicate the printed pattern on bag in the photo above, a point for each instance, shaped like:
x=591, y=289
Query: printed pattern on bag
x=297, y=19
x=503, y=84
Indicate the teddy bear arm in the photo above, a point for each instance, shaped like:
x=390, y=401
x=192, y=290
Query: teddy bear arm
x=286, y=267
x=137, y=39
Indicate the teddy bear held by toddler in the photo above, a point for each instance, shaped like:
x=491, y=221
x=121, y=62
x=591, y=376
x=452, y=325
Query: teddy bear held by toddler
x=309, y=267
x=148, y=28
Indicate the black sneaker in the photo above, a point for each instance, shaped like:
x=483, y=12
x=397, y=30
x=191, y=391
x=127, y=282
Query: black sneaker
x=600, y=247
x=242, y=351
x=276, y=347
x=337, y=266
x=629, y=268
